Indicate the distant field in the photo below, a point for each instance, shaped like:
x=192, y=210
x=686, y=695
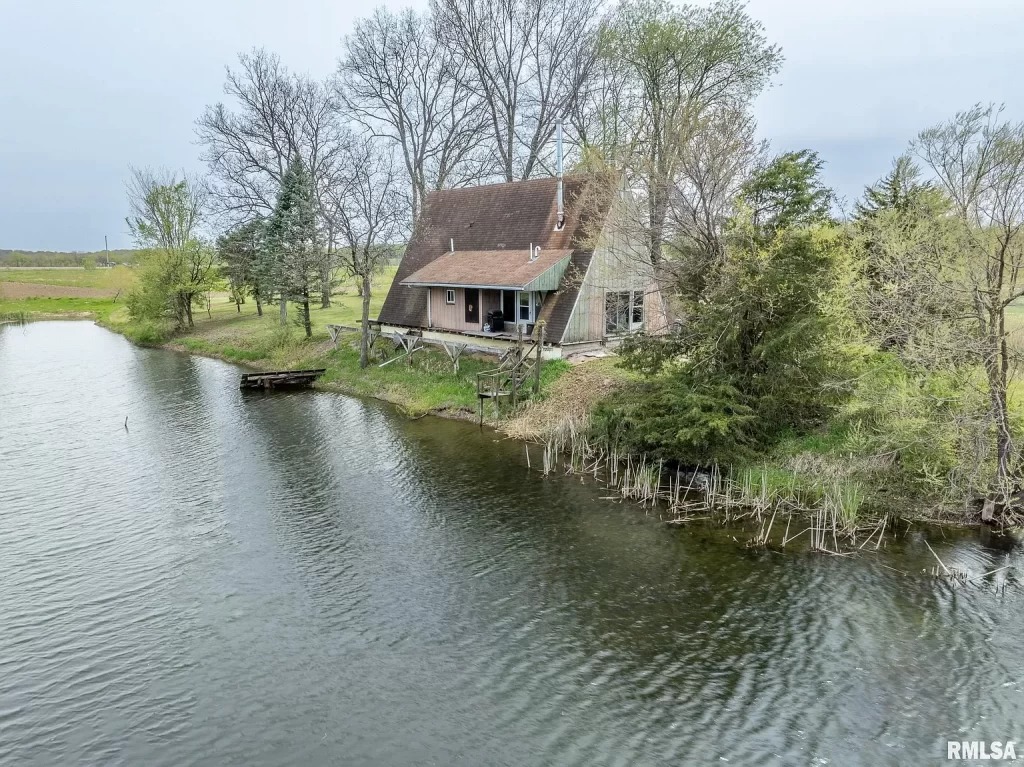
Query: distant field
x=1015, y=325
x=76, y=291
x=65, y=283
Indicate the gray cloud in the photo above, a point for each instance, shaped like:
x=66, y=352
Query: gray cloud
x=87, y=88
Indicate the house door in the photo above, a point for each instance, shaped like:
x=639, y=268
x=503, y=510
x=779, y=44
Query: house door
x=508, y=305
x=473, y=306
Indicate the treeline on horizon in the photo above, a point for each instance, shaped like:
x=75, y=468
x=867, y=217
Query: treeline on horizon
x=43, y=258
x=875, y=351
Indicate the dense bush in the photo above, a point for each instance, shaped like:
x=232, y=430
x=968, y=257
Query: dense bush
x=765, y=352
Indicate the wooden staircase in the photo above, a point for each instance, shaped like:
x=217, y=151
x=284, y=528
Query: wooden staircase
x=518, y=368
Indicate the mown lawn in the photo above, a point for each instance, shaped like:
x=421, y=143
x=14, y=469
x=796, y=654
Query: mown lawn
x=346, y=305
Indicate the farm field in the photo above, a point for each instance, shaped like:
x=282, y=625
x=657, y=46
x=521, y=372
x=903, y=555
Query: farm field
x=101, y=293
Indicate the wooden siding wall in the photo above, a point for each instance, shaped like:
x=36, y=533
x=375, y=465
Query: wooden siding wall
x=617, y=264
x=453, y=316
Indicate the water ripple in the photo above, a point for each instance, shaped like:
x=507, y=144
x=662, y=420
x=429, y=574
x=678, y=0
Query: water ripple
x=311, y=579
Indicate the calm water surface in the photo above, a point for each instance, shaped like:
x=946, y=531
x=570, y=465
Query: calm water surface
x=312, y=579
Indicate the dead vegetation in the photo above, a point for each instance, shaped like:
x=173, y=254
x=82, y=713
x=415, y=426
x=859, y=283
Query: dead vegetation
x=565, y=409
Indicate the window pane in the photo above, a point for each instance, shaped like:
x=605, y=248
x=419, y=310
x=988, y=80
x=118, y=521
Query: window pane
x=638, y=308
x=616, y=312
x=524, y=307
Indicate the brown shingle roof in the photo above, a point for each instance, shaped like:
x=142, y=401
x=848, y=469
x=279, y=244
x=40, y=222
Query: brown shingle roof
x=498, y=217
x=510, y=269
x=558, y=308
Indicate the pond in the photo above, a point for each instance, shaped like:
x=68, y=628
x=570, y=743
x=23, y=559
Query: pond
x=309, y=578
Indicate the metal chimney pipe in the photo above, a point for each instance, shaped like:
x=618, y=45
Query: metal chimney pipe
x=558, y=170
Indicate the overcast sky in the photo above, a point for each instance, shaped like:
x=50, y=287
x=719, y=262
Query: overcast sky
x=87, y=88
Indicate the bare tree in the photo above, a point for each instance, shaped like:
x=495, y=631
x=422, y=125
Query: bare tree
x=529, y=61
x=685, y=65
x=370, y=213
x=400, y=83
x=710, y=171
x=278, y=117
x=979, y=160
x=248, y=149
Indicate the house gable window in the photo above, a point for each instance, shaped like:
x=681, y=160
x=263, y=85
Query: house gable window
x=623, y=311
x=449, y=296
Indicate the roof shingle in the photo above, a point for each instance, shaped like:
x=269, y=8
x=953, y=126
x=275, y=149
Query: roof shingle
x=511, y=269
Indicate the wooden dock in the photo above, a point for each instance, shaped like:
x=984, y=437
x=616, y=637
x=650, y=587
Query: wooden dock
x=280, y=379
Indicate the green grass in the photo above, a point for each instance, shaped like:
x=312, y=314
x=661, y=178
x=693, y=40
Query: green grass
x=115, y=278
x=41, y=308
x=428, y=384
x=346, y=308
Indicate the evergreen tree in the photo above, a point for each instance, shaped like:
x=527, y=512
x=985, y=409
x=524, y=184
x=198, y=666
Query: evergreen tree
x=901, y=189
x=292, y=241
x=788, y=192
x=764, y=350
x=908, y=245
x=243, y=254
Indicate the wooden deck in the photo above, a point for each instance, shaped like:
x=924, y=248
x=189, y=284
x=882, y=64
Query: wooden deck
x=280, y=379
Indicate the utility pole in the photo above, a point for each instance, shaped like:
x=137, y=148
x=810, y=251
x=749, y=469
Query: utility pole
x=106, y=249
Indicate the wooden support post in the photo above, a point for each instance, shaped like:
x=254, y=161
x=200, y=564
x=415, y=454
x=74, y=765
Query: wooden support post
x=454, y=351
x=414, y=345
x=536, y=370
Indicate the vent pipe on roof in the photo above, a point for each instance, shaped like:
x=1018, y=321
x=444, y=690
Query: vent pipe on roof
x=560, y=221
x=534, y=252
x=452, y=245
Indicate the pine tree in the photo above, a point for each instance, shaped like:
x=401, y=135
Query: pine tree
x=905, y=236
x=788, y=193
x=901, y=189
x=292, y=241
x=243, y=254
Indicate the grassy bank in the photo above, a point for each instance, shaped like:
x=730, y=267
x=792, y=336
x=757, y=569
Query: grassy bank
x=881, y=456
x=891, y=452
x=425, y=384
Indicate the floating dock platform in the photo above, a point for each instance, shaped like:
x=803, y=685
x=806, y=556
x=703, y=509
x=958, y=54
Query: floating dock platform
x=280, y=379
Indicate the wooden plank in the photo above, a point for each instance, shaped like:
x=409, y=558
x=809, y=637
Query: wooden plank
x=271, y=379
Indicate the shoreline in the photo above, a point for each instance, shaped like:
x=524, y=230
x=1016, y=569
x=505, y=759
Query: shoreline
x=401, y=386
x=333, y=387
